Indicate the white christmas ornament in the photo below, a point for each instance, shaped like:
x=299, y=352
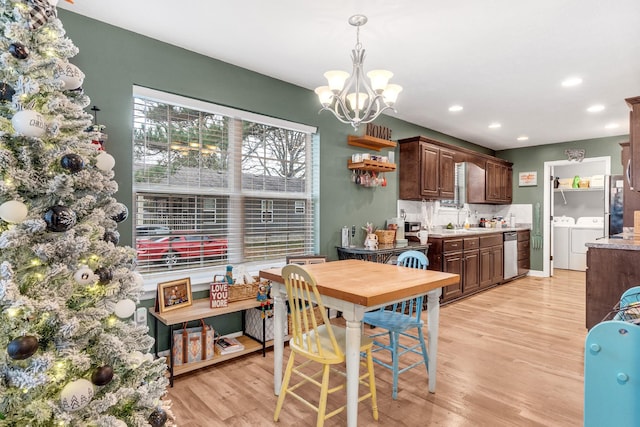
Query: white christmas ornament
x=70, y=75
x=137, y=358
x=125, y=308
x=29, y=123
x=148, y=357
x=85, y=276
x=76, y=395
x=13, y=211
x=105, y=161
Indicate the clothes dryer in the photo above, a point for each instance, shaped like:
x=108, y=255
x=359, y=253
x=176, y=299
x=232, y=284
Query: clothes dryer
x=586, y=229
x=561, y=234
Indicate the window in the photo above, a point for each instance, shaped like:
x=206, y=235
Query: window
x=215, y=186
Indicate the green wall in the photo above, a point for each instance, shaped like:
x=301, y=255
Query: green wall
x=533, y=158
x=114, y=60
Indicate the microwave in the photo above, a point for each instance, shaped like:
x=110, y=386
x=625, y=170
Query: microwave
x=411, y=227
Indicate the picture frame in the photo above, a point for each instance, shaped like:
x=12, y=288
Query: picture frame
x=174, y=295
x=528, y=179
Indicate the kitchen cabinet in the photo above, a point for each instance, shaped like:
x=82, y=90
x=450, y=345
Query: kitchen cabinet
x=634, y=143
x=491, y=260
x=631, y=199
x=499, y=182
x=609, y=273
x=427, y=171
x=477, y=259
x=524, y=252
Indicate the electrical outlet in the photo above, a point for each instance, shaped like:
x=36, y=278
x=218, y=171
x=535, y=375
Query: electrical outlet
x=141, y=316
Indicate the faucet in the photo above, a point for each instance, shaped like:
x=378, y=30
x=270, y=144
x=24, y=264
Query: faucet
x=458, y=224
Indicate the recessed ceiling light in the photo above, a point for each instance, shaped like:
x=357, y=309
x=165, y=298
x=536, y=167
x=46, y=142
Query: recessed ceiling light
x=455, y=108
x=611, y=126
x=495, y=125
x=571, y=81
x=523, y=138
x=595, y=108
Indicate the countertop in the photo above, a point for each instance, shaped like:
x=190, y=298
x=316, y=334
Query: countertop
x=473, y=231
x=623, y=241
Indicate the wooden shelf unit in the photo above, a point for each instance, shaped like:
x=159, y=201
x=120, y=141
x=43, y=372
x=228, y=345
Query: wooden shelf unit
x=372, y=165
x=201, y=309
x=370, y=142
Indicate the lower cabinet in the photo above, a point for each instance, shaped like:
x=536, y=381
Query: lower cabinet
x=524, y=252
x=477, y=259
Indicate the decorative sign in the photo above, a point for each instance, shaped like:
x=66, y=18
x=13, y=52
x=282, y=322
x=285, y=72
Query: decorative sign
x=219, y=294
x=378, y=131
x=528, y=179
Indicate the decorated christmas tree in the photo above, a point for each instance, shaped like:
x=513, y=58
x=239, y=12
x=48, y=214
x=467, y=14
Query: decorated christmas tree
x=70, y=351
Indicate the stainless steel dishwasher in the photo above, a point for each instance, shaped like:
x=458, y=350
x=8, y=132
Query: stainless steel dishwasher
x=510, y=254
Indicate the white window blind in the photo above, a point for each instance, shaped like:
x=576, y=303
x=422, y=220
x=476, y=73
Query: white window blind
x=216, y=186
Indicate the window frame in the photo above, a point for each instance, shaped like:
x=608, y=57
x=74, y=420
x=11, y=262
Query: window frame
x=201, y=276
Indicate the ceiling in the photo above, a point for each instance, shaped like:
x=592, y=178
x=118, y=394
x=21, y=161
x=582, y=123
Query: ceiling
x=502, y=60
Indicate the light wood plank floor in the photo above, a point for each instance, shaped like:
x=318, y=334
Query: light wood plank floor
x=510, y=356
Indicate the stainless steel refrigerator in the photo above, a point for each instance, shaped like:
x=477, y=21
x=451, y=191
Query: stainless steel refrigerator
x=614, y=194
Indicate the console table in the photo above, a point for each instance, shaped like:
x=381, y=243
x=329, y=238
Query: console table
x=383, y=254
x=201, y=309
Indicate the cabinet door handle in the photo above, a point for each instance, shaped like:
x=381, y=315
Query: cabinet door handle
x=628, y=173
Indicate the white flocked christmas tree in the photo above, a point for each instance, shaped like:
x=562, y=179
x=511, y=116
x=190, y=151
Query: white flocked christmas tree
x=70, y=352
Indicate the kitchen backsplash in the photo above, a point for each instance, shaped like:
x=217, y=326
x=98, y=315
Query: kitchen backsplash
x=431, y=213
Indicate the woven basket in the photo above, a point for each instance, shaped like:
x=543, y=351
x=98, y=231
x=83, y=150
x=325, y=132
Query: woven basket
x=385, y=236
x=316, y=313
x=243, y=292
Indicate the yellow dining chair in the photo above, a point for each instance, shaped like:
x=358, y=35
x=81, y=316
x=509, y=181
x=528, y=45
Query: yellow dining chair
x=322, y=345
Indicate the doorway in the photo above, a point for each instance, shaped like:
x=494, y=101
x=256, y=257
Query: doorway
x=588, y=167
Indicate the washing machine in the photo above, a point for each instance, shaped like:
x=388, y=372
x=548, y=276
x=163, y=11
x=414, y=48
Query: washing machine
x=562, y=226
x=586, y=229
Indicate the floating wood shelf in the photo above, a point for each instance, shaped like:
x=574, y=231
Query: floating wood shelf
x=370, y=142
x=372, y=165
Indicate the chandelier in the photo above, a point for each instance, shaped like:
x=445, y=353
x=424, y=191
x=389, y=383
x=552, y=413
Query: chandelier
x=350, y=97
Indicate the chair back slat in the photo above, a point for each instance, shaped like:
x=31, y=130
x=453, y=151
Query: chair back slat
x=412, y=259
x=301, y=293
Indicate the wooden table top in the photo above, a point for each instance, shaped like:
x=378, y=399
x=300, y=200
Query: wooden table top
x=369, y=283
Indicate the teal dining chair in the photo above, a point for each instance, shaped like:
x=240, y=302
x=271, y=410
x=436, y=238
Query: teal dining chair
x=401, y=320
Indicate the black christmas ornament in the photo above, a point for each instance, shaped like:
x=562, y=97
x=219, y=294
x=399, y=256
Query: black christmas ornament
x=18, y=50
x=104, y=274
x=122, y=214
x=111, y=236
x=6, y=92
x=59, y=218
x=158, y=417
x=22, y=347
x=102, y=376
x=72, y=162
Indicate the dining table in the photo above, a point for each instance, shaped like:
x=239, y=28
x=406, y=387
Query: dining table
x=354, y=287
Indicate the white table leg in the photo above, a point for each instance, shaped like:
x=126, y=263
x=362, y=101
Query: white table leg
x=278, y=293
x=354, y=331
x=433, y=319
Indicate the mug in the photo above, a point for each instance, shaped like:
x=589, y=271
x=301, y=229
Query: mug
x=423, y=236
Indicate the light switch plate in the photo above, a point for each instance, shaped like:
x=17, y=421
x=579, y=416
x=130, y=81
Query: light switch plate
x=141, y=316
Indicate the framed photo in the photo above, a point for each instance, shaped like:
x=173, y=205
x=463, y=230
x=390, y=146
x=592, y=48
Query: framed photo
x=528, y=179
x=173, y=295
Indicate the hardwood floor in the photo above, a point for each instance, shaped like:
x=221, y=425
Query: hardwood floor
x=510, y=356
